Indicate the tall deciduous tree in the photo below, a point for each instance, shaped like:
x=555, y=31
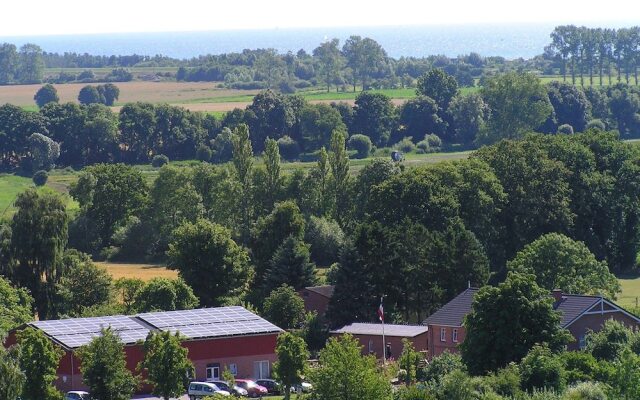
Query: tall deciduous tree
x=330, y=61
x=439, y=86
x=374, y=116
x=161, y=294
x=272, y=166
x=167, y=364
x=518, y=102
x=284, y=307
x=12, y=377
x=204, y=249
x=495, y=338
x=339, y=162
x=243, y=164
x=46, y=94
x=31, y=64
x=39, y=359
x=559, y=262
x=292, y=360
x=343, y=373
x=39, y=236
x=15, y=306
x=104, y=368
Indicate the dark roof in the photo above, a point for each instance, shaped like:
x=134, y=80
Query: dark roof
x=326, y=290
x=192, y=324
x=572, y=306
x=389, y=329
x=452, y=313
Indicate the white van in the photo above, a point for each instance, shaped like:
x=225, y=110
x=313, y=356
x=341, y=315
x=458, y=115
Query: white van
x=198, y=390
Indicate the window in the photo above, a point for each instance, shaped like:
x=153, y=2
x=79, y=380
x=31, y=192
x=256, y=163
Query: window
x=370, y=346
x=213, y=371
x=455, y=336
x=261, y=369
x=443, y=334
x=233, y=368
x=582, y=342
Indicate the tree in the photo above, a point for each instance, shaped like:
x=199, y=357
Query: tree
x=30, y=64
x=469, y=114
x=330, y=60
x=284, y=307
x=39, y=236
x=625, y=381
x=439, y=86
x=90, y=95
x=326, y=239
x=409, y=361
x=39, y=359
x=419, y=117
x=317, y=123
x=109, y=92
x=161, y=294
x=12, y=377
x=374, y=116
x=570, y=105
x=44, y=152
x=46, y=94
x=108, y=195
x=541, y=369
x=271, y=115
x=243, y=164
x=167, y=364
x=610, y=342
x=15, y=307
x=83, y=285
x=8, y=63
x=361, y=144
x=518, y=102
x=559, y=262
x=343, y=373
x=204, y=249
x=290, y=265
x=104, y=368
x=272, y=166
x=339, y=162
x=127, y=290
x=292, y=360
x=495, y=338
x=364, y=57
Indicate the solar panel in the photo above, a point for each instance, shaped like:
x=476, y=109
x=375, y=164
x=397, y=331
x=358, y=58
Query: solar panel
x=76, y=332
x=209, y=322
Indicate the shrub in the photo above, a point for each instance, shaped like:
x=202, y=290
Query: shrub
x=586, y=391
x=506, y=381
x=203, y=153
x=361, y=144
x=541, y=369
x=289, y=149
x=423, y=146
x=434, y=140
x=159, y=160
x=596, y=124
x=405, y=145
x=40, y=178
x=565, y=129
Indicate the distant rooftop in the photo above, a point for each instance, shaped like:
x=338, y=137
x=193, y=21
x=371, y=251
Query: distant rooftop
x=389, y=329
x=453, y=313
x=192, y=324
x=326, y=290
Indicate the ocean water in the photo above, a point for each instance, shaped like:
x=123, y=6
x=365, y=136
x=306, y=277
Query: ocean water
x=509, y=41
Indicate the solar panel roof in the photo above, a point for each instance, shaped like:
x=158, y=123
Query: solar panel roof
x=209, y=322
x=76, y=332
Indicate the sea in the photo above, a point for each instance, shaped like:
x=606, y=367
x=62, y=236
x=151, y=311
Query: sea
x=511, y=41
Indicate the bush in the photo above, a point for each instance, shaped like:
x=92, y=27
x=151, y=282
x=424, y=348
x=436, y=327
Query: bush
x=286, y=87
x=585, y=391
x=40, y=178
x=405, y=145
x=326, y=239
x=423, y=146
x=203, y=153
x=289, y=149
x=541, y=369
x=361, y=144
x=565, y=129
x=159, y=160
x=434, y=140
x=596, y=124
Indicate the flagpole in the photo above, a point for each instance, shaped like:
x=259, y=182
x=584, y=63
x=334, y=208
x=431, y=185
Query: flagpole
x=384, y=342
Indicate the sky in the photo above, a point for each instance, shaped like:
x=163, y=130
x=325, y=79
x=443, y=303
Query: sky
x=46, y=17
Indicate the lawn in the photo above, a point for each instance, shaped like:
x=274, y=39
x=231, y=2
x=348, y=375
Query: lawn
x=630, y=296
x=12, y=185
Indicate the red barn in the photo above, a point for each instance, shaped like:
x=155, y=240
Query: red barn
x=579, y=315
x=230, y=337
x=370, y=337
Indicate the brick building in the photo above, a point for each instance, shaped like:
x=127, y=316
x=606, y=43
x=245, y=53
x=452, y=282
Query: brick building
x=370, y=337
x=230, y=337
x=579, y=315
x=316, y=298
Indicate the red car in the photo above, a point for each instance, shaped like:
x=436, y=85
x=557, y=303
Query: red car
x=252, y=388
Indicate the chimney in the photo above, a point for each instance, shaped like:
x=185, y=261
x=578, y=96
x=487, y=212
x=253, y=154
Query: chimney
x=557, y=295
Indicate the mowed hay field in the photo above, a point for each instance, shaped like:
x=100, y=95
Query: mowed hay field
x=145, y=272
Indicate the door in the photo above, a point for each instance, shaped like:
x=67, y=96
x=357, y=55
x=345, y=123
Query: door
x=261, y=369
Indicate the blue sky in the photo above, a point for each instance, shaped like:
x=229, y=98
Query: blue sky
x=44, y=17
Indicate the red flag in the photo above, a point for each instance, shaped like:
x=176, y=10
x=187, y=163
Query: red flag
x=381, y=312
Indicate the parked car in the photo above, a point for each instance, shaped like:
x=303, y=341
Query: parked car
x=198, y=390
x=273, y=387
x=304, y=387
x=77, y=395
x=235, y=390
x=252, y=388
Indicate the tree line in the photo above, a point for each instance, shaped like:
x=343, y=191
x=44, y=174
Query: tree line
x=596, y=51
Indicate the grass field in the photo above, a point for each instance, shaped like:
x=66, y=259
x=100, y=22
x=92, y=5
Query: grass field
x=140, y=271
x=630, y=292
x=12, y=185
